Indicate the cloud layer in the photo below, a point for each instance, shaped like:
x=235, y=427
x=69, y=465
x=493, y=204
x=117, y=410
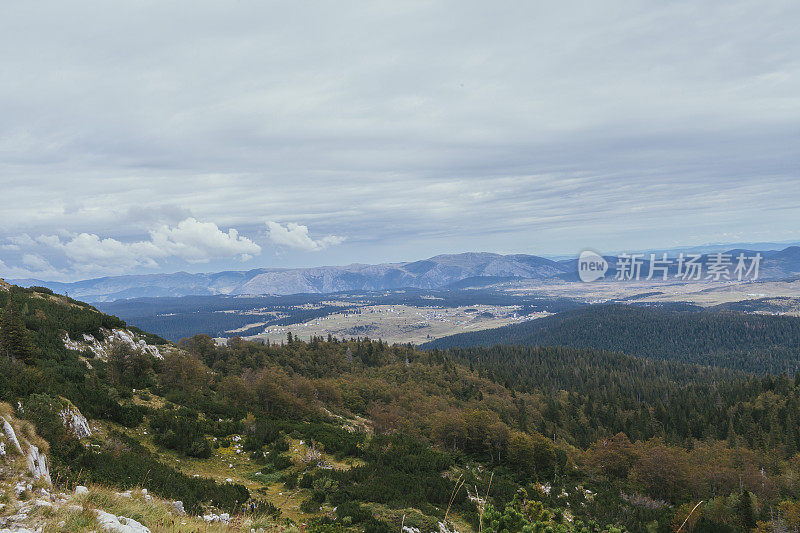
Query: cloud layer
x=411, y=128
x=190, y=241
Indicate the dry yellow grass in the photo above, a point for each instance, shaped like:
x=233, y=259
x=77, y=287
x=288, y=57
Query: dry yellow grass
x=158, y=515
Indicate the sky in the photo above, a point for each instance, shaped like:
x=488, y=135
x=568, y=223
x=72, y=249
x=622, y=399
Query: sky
x=144, y=137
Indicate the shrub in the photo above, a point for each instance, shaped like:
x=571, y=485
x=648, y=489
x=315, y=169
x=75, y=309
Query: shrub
x=353, y=510
x=289, y=480
x=180, y=430
x=309, y=506
x=124, y=463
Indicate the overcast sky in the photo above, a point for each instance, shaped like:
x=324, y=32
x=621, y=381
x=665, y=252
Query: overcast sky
x=141, y=137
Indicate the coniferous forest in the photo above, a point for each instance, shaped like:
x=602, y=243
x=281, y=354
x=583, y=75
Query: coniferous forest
x=750, y=342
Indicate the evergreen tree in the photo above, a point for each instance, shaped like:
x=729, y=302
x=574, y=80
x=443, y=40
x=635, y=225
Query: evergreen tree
x=15, y=340
x=745, y=513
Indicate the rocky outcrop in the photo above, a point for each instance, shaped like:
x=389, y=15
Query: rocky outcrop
x=37, y=461
x=8, y=430
x=110, y=338
x=37, y=464
x=75, y=422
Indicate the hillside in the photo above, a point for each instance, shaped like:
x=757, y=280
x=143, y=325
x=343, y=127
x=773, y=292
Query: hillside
x=356, y=435
x=757, y=343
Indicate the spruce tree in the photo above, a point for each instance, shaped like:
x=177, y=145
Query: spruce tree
x=745, y=513
x=15, y=341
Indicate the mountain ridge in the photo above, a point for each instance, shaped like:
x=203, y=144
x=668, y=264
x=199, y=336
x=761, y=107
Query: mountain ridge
x=437, y=272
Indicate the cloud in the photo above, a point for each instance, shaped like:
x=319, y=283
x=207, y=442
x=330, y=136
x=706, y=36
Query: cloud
x=35, y=267
x=296, y=236
x=414, y=128
x=199, y=242
x=87, y=252
x=147, y=216
x=36, y=262
x=18, y=242
x=190, y=240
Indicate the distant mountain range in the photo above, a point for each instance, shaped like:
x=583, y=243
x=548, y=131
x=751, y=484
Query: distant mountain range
x=440, y=272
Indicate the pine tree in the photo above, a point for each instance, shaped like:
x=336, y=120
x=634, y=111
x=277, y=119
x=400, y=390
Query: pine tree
x=744, y=511
x=731, y=433
x=15, y=340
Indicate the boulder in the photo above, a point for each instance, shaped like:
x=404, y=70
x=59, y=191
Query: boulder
x=119, y=524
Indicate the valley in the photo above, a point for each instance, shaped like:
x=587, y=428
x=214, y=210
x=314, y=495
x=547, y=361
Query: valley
x=418, y=315
x=401, y=323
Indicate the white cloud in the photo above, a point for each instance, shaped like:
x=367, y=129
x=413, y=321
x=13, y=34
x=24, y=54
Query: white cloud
x=18, y=242
x=36, y=262
x=191, y=240
x=35, y=267
x=49, y=240
x=88, y=251
x=296, y=236
x=199, y=242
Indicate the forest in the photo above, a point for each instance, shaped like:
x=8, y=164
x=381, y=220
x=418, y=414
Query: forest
x=750, y=342
x=560, y=437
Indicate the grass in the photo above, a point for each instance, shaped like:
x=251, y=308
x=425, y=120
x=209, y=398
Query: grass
x=24, y=430
x=77, y=514
x=226, y=463
x=158, y=515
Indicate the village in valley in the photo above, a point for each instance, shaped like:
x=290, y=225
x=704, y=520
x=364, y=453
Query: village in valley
x=402, y=323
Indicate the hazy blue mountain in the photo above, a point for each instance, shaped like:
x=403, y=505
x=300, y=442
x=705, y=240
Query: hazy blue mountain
x=472, y=269
x=434, y=273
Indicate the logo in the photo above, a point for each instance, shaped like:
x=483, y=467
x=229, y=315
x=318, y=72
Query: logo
x=591, y=266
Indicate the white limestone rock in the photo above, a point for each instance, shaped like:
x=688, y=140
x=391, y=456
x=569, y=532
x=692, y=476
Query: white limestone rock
x=10, y=435
x=37, y=464
x=119, y=524
x=110, y=337
x=74, y=421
